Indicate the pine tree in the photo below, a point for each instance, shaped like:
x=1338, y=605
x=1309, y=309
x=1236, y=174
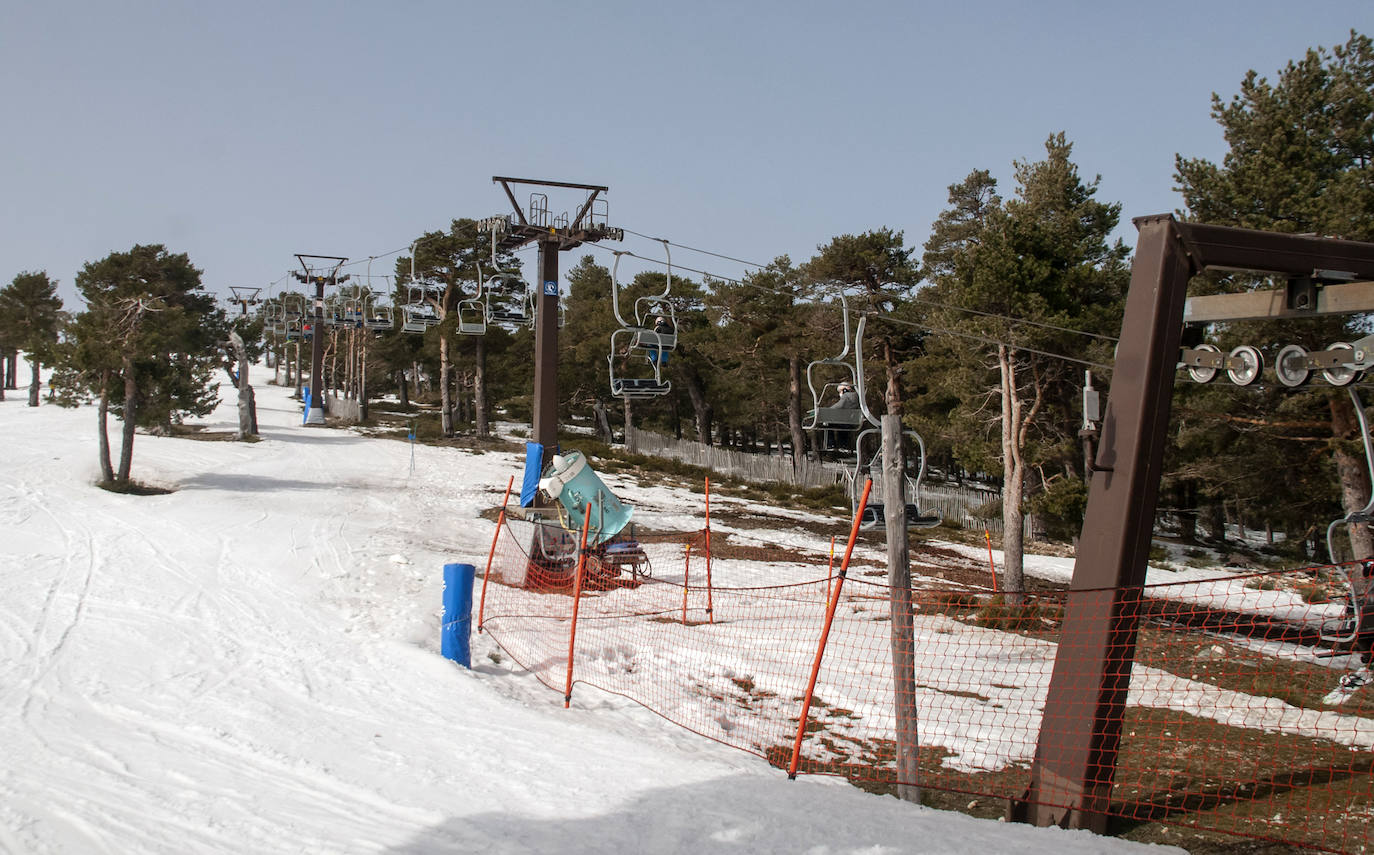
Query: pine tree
x=1043, y=256
x=146, y=346
x=765, y=341
x=30, y=317
x=1300, y=159
x=453, y=260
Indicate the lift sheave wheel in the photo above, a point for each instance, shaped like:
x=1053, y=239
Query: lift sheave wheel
x=1204, y=373
x=1244, y=365
x=1290, y=366
x=1340, y=376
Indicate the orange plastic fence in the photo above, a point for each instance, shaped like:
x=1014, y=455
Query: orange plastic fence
x=1226, y=729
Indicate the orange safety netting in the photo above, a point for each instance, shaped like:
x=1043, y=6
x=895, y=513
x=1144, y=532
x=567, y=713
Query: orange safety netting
x=1226, y=728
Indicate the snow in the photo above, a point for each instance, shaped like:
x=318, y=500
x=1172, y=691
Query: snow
x=250, y=664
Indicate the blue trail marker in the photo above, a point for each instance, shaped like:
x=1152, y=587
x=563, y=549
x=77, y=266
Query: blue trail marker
x=455, y=635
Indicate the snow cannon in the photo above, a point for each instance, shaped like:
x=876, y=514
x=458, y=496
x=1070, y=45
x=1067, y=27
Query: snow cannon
x=571, y=482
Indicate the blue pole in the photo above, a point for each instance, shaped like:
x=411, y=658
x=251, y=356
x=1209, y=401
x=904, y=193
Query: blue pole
x=454, y=637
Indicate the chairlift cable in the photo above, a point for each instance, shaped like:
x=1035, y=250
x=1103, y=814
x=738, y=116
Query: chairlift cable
x=986, y=340
x=1022, y=321
x=695, y=249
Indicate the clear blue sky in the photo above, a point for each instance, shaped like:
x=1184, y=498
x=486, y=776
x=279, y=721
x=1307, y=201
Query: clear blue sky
x=241, y=133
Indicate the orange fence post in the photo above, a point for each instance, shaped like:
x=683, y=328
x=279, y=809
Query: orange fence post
x=577, y=599
x=825, y=631
x=500, y=521
x=991, y=566
x=710, y=610
x=686, y=569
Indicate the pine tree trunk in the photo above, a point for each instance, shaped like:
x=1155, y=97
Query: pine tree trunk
x=794, y=409
x=479, y=389
x=701, y=407
x=1214, y=520
x=629, y=425
x=402, y=388
x=33, y=385
x=445, y=400
x=1013, y=487
x=1352, y=472
x=126, y=448
x=602, y=421
x=248, y=411
x=362, y=381
x=103, y=424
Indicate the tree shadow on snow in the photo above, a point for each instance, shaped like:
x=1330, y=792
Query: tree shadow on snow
x=255, y=483
x=312, y=436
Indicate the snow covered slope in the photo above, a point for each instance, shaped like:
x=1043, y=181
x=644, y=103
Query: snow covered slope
x=250, y=664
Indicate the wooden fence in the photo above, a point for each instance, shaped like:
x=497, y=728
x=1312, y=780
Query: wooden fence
x=974, y=509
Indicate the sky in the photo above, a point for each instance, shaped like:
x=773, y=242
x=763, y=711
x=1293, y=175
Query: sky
x=244, y=133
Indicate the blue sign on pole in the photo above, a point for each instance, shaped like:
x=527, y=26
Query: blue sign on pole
x=551, y=287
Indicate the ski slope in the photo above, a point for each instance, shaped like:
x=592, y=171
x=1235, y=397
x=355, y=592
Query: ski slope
x=250, y=664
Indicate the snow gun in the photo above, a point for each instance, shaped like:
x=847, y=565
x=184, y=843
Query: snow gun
x=573, y=484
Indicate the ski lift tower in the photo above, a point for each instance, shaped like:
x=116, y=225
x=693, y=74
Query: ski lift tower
x=533, y=224
x=319, y=270
x=244, y=296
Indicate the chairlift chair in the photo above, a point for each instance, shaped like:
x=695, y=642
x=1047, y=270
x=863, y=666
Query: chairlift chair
x=639, y=387
x=498, y=307
x=273, y=319
x=472, y=312
x=293, y=314
x=871, y=467
x=837, y=424
x=418, y=313
x=649, y=336
x=333, y=312
x=418, y=317
x=353, y=314
x=377, y=316
x=293, y=308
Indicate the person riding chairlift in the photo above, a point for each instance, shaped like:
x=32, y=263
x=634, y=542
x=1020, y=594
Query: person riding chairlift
x=839, y=439
x=663, y=327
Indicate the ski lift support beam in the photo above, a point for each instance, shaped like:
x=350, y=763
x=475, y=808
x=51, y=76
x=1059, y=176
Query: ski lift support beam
x=245, y=296
x=1076, y=754
x=523, y=231
x=551, y=240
